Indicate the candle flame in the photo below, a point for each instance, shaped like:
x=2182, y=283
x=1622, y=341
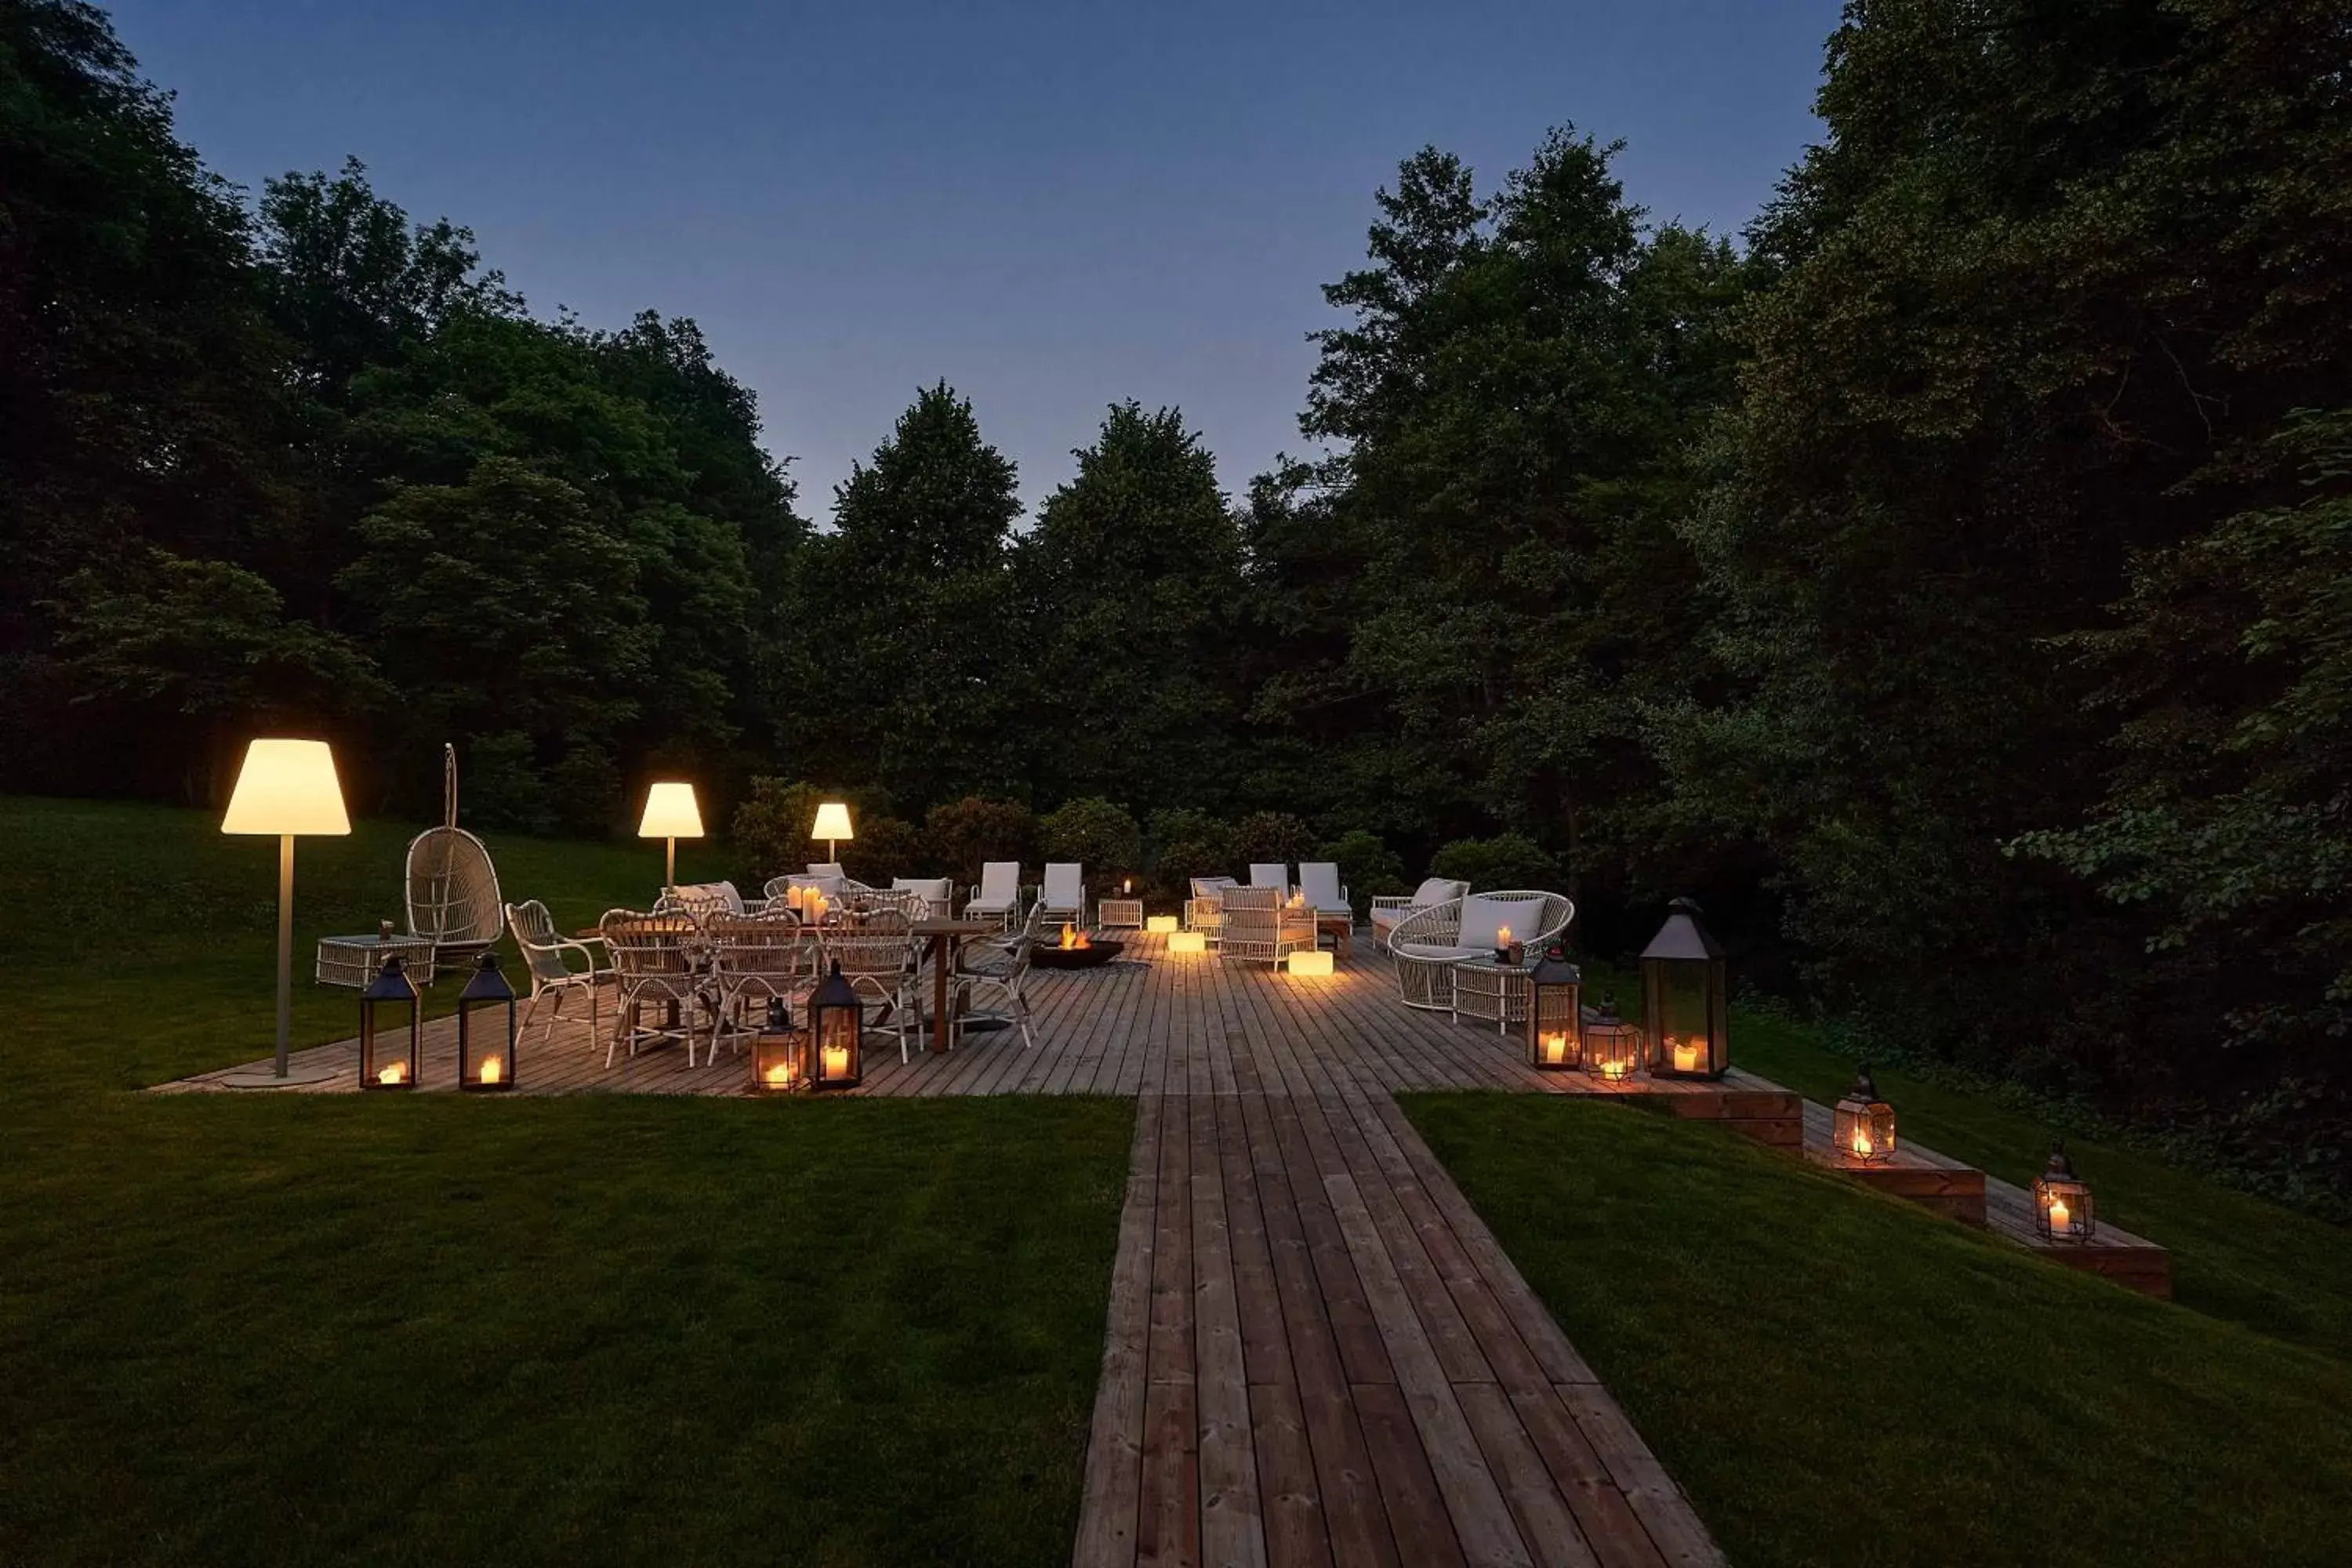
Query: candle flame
x=779, y=1075
x=493, y=1068
x=395, y=1073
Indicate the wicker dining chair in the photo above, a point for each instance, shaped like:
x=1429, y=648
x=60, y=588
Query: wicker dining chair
x=754, y=957
x=545, y=953
x=878, y=956
x=998, y=973
x=656, y=958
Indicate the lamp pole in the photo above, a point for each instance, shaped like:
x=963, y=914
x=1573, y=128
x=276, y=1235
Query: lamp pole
x=669, y=865
x=285, y=948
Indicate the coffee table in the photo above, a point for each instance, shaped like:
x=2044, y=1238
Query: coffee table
x=1491, y=992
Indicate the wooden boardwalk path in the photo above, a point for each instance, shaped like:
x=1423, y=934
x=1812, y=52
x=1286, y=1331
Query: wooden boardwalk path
x=1316, y=1353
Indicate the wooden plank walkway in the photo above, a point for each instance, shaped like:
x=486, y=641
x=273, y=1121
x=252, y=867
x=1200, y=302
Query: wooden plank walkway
x=1316, y=1352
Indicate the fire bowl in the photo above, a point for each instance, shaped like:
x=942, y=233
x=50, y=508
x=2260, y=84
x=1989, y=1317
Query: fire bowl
x=1098, y=952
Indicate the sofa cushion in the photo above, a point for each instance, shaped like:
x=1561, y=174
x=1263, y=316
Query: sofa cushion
x=1437, y=953
x=1435, y=890
x=1483, y=918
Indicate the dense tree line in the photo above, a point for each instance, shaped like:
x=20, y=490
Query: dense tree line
x=1947, y=583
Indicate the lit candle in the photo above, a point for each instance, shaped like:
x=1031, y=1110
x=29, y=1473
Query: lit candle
x=393, y=1074
x=2062, y=1218
x=779, y=1074
x=1612, y=1071
x=1686, y=1054
x=1554, y=1046
x=493, y=1068
x=837, y=1061
x=1862, y=1144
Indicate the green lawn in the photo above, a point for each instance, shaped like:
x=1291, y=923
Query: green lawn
x=260, y=1329
x=1840, y=1377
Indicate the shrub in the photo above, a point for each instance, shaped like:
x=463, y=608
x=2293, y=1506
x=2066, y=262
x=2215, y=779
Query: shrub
x=772, y=830
x=885, y=846
x=1273, y=835
x=1505, y=860
x=502, y=786
x=959, y=835
x=1099, y=836
x=1368, y=867
x=1188, y=844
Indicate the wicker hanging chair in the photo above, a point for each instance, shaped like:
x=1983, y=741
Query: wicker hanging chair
x=453, y=888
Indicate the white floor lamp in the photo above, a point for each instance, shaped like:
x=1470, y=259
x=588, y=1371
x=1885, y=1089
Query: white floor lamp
x=286, y=787
x=671, y=814
x=832, y=826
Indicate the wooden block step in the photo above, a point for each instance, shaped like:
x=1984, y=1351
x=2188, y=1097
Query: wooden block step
x=2132, y=1261
x=1771, y=1115
x=1918, y=1174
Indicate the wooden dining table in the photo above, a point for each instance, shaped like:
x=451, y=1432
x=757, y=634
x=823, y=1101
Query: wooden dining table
x=946, y=938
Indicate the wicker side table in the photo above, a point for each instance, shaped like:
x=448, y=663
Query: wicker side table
x=353, y=961
x=1120, y=913
x=1491, y=992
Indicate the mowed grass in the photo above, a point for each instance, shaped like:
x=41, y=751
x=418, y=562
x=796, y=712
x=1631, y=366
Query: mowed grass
x=429, y=1330
x=1836, y=1376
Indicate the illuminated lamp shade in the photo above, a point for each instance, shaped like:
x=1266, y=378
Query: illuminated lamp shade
x=285, y=788
x=832, y=826
x=671, y=814
x=1187, y=941
x=1161, y=925
x=1318, y=962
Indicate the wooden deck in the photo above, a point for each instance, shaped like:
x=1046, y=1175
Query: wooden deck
x=1316, y=1352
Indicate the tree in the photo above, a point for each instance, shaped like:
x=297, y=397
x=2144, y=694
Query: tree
x=1132, y=583
x=912, y=595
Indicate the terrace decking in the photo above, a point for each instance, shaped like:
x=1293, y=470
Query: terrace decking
x=1315, y=1352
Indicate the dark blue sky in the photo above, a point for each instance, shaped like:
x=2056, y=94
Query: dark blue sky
x=1051, y=206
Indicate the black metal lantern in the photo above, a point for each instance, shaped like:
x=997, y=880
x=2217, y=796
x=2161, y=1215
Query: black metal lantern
x=779, y=1053
x=1686, y=998
x=1864, y=1123
x=1555, y=1014
x=486, y=1046
x=2062, y=1201
x=1612, y=1048
x=836, y=1021
x=390, y=988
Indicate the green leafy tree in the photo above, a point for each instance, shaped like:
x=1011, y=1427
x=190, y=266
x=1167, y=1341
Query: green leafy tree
x=959, y=837
x=1103, y=837
x=911, y=590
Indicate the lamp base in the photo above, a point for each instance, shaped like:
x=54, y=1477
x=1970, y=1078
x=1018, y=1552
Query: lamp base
x=264, y=1078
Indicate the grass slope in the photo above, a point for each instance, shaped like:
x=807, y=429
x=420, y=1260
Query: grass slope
x=432, y=1329
x=1838, y=1376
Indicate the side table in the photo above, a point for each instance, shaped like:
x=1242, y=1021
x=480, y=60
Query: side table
x=1120, y=913
x=353, y=961
x=1491, y=992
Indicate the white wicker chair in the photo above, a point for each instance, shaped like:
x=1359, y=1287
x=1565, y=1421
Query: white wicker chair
x=1261, y=925
x=453, y=893
x=756, y=956
x=1429, y=943
x=1204, y=910
x=543, y=953
x=657, y=959
x=1387, y=910
x=878, y=959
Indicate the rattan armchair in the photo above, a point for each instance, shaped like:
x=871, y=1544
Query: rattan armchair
x=1429, y=943
x=1261, y=925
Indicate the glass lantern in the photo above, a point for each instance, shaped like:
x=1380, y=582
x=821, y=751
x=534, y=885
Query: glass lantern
x=485, y=1046
x=1864, y=1128
x=779, y=1053
x=2062, y=1201
x=1686, y=998
x=1612, y=1048
x=1555, y=1014
x=390, y=1067
x=837, y=1019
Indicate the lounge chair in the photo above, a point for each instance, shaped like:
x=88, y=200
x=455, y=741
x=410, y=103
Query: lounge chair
x=1269, y=874
x=998, y=897
x=1319, y=880
x=1064, y=896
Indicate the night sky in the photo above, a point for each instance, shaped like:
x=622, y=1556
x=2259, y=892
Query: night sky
x=1054, y=206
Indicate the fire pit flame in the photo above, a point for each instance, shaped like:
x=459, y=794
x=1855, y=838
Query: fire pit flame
x=1073, y=938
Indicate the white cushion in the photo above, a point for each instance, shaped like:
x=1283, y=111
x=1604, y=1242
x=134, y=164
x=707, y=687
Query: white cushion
x=1433, y=951
x=1483, y=918
x=1435, y=890
x=1269, y=874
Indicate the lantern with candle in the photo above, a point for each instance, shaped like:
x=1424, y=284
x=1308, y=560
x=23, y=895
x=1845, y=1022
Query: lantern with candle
x=1864, y=1124
x=1686, y=998
x=1555, y=1014
x=836, y=1022
x=486, y=1044
x=1612, y=1048
x=2062, y=1201
x=390, y=1069
x=779, y=1053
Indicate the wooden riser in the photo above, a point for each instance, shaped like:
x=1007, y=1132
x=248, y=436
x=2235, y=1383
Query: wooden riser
x=1955, y=1192
x=2146, y=1269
